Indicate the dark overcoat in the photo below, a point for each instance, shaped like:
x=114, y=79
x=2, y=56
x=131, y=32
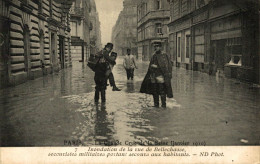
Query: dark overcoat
x=165, y=65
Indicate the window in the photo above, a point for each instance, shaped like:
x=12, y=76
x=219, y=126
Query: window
x=235, y=50
x=179, y=46
x=158, y=28
x=188, y=39
x=158, y=4
x=74, y=29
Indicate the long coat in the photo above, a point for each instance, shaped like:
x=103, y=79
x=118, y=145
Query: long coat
x=165, y=65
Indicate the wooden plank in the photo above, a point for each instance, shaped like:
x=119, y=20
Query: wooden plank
x=17, y=51
x=17, y=58
x=17, y=66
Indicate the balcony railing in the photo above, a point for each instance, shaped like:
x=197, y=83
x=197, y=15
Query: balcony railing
x=77, y=11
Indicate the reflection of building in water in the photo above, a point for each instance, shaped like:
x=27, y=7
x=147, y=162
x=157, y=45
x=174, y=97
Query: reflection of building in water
x=130, y=87
x=36, y=39
x=216, y=37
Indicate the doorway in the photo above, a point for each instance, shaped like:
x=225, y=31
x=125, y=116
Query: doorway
x=27, y=53
x=61, y=54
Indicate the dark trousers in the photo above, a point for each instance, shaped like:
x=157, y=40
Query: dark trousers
x=130, y=73
x=159, y=90
x=101, y=86
x=111, y=80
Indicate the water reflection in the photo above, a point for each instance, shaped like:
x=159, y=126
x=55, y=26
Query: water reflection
x=101, y=124
x=130, y=87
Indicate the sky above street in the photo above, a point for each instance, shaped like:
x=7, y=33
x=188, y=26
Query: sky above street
x=108, y=13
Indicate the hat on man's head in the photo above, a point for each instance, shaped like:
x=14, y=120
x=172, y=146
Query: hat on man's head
x=109, y=45
x=157, y=43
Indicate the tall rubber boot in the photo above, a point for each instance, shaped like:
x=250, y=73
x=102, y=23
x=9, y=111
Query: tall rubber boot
x=156, y=100
x=162, y=92
x=96, y=96
x=163, y=99
x=103, y=96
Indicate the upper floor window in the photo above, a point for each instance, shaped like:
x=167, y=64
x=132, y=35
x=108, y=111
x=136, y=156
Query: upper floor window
x=158, y=4
x=74, y=30
x=158, y=28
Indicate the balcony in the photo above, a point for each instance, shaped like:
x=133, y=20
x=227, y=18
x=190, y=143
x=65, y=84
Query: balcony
x=157, y=14
x=77, y=12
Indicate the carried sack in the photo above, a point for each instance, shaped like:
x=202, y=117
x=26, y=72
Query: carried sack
x=92, y=62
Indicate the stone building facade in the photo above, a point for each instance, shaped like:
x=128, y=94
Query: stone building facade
x=34, y=39
x=152, y=19
x=124, y=33
x=216, y=36
x=95, y=33
x=80, y=29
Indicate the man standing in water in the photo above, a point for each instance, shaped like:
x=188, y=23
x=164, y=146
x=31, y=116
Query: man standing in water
x=100, y=72
x=129, y=64
x=158, y=78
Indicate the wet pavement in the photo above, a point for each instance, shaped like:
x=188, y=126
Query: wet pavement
x=58, y=110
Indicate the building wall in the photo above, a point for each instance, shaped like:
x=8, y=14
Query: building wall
x=124, y=33
x=153, y=18
x=31, y=26
x=95, y=33
x=81, y=27
x=222, y=37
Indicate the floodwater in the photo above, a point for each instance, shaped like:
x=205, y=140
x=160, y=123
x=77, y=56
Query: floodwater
x=59, y=110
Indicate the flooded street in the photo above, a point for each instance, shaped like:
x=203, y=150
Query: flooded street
x=57, y=109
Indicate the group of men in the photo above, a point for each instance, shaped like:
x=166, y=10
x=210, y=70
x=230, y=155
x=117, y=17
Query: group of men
x=156, y=82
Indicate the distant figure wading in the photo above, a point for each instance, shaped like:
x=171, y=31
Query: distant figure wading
x=129, y=65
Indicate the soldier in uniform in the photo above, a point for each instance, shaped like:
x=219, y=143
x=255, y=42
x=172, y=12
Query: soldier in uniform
x=158, y=78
